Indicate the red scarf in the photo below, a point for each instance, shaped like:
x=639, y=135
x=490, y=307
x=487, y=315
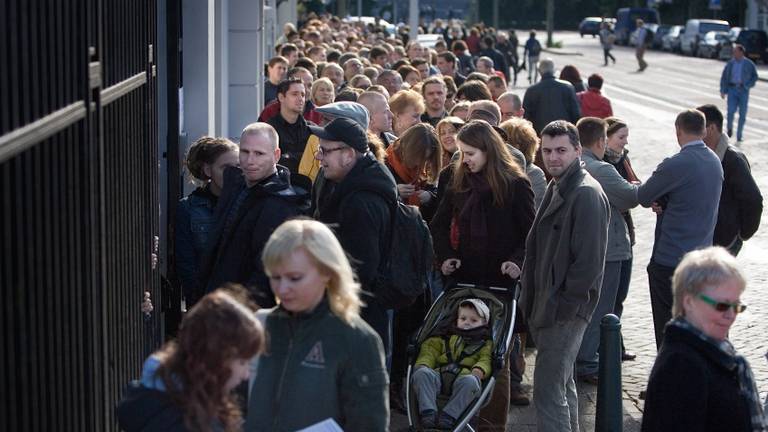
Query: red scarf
x=407, y=175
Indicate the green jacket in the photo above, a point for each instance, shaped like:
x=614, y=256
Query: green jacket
x=316, y=367
x=433, y=355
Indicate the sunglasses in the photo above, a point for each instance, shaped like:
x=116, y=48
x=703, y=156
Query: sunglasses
x=723, y=306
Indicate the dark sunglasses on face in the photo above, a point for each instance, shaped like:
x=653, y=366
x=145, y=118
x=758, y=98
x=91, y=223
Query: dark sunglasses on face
x=723, y=306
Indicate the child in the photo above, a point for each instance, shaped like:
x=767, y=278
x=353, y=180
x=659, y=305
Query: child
x=457, y=361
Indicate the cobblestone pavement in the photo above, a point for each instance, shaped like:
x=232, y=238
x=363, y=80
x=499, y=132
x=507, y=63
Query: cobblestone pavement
x=649, y=102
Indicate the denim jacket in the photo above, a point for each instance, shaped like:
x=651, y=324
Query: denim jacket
x=748, y=75
x=194, y=222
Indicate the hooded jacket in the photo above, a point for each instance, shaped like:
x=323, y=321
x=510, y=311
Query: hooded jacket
x=318, y=366
x=358, y=209
x=245, y=218
x=565, y=251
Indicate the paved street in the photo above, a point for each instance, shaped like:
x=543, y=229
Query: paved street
x=649, y=102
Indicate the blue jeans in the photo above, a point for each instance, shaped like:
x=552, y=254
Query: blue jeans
x=738, y=97
x=587, y=361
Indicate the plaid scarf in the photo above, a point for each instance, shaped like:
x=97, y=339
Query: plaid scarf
x=732, y=361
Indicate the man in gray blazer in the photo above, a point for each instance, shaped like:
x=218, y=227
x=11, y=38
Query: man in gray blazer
x=685, y=190
x=622, y=196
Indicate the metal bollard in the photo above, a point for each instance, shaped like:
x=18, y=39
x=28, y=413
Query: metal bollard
x=610, y=416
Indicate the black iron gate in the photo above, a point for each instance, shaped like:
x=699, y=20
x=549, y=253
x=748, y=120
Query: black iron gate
x=79, y=208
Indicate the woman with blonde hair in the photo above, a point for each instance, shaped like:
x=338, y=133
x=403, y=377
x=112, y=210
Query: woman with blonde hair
x=322, y=92
x=522, y=136
x=698, y=381
x=187, y=385
x=447, y=129
x=406, y=107
x=481, y=224
x=323, y=360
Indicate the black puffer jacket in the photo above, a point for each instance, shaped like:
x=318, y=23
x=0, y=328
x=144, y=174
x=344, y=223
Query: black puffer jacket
x=241, y=232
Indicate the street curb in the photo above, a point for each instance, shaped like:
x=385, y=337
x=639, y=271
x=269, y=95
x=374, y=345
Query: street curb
x=564, y=53
x=759, y=78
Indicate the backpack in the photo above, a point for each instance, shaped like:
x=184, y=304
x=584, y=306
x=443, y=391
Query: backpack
x=409, y=258
x=535, y=49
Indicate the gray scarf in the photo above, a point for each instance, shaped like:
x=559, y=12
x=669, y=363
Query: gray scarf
x=731, y=361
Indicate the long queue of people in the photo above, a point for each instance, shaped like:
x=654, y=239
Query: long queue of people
x=300, y=212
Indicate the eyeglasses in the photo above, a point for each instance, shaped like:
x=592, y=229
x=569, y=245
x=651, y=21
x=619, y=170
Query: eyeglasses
x=321, y=152
x=723, y=306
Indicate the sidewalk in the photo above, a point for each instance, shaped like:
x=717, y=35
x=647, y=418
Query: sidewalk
x=523, y=419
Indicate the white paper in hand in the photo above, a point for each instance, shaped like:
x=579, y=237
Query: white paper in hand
x=327, y=425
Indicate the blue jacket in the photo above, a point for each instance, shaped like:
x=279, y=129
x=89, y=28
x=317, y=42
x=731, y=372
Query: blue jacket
x=688, y=186
x=194, y=222
x=748, y=75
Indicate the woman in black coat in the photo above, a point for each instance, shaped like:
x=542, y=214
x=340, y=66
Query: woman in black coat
x=481, y=224
x=699, y=382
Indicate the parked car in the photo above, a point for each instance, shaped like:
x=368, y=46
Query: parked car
x=633, y=37
x=658, y=35
x=710, y=45
x=695, y=29
x=626, y=19
x=755, y=43
x=590, y=26
x=671, y=40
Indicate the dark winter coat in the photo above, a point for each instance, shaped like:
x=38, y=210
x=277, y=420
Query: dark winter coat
x=507, y=228
x=149, y=410
x=688, y=390
x=293, y=140
x=242, y=231
x=550, y=99
x=359, y=211
x=317, y=367
x=741, y=203
x=194, y=223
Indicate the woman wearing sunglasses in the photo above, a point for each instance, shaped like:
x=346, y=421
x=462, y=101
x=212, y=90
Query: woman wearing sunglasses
x=699, y=382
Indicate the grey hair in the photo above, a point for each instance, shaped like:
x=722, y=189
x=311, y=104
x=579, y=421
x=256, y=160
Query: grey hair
x=487, y=60
x=546, y=66
x=561, y=127
x=516, y=102
x=260, y=128
x=700, y=269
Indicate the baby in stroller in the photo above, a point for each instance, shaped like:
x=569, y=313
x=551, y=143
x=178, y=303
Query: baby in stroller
x=454, y=363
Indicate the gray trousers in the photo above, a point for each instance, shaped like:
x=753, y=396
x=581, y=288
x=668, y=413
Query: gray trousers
x=427, y=385
x=588, y=359
x=554, y=390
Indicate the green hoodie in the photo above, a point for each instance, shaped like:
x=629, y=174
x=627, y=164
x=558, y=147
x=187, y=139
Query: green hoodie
x=316, y=367
x=433, y=355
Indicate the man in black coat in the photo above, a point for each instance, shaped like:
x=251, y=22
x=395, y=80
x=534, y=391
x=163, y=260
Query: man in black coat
x=550, y=99
x=257, y=198
x=488, y=49
x=356, y=195
x=741, y=203
x=290, y=125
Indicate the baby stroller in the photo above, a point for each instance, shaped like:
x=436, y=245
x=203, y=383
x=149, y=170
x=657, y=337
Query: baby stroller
x=502, y=304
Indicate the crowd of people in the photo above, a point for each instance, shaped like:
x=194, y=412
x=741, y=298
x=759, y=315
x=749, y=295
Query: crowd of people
x=301, y=212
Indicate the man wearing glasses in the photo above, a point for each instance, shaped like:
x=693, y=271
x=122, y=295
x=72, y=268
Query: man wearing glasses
x=355, y=199
x=684, y=192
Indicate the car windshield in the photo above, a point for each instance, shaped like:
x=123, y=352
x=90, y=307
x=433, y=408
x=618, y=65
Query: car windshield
x=706, y=27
